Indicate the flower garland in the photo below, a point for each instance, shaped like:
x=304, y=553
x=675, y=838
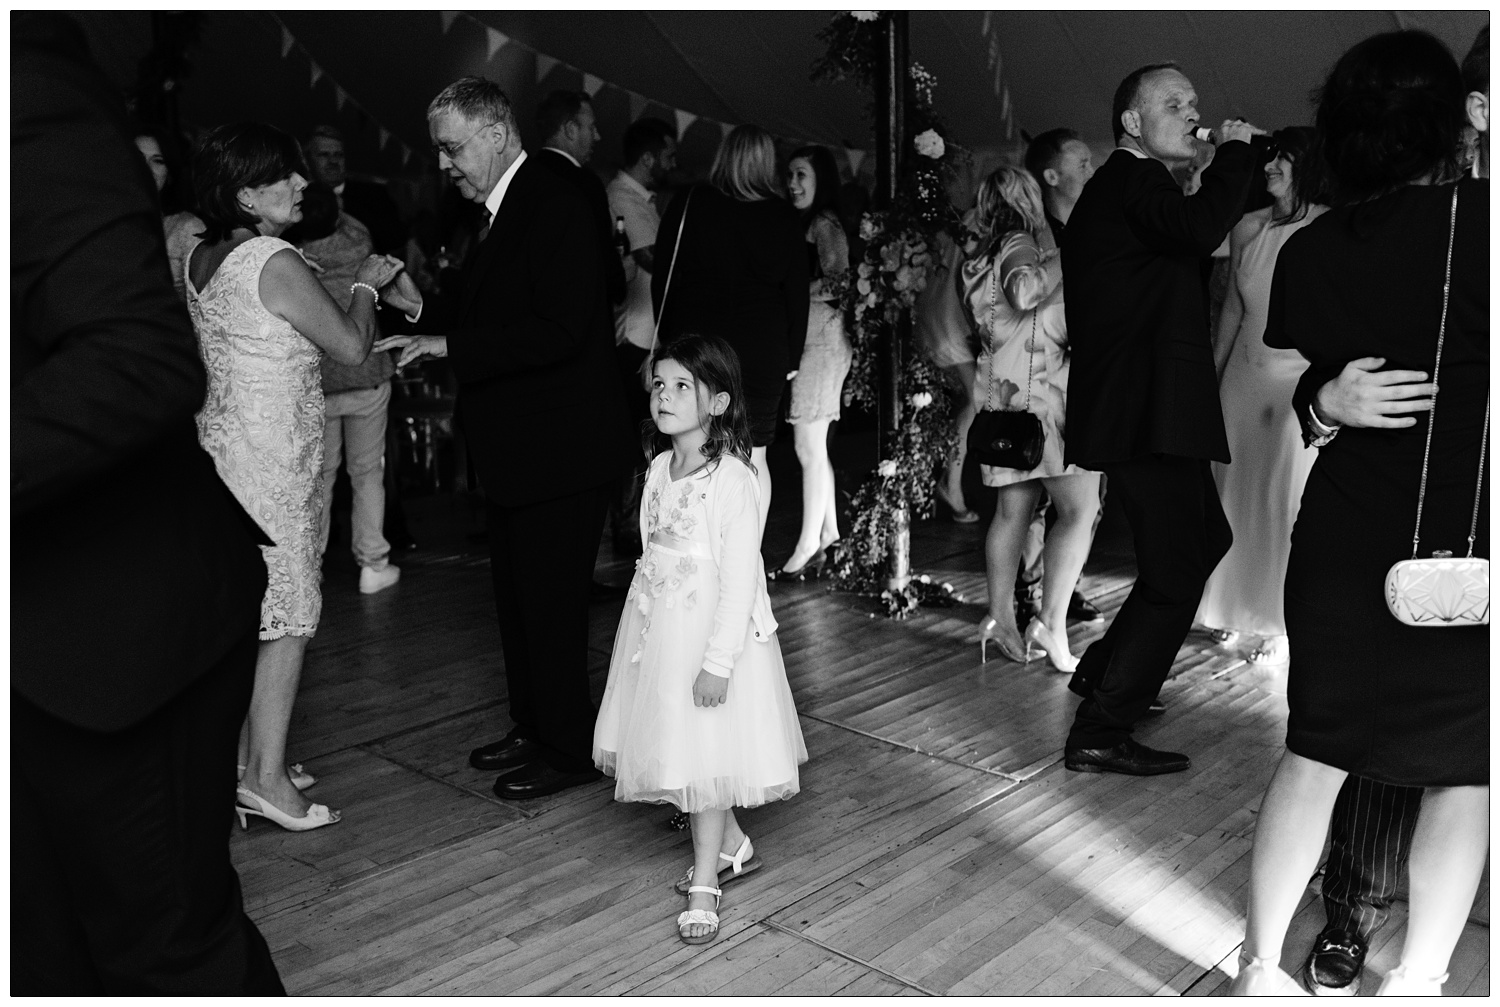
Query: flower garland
x=885, y=284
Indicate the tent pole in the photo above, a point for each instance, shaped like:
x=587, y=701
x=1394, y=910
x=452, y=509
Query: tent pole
x=890, y=155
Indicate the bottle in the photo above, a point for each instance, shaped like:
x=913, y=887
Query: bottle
x=620, y=239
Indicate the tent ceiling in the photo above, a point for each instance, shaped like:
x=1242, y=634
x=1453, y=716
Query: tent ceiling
x=1061, y=67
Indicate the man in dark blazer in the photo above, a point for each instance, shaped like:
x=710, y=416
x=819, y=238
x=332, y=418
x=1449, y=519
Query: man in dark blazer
x=137, y=578
x=565, y=121
x=532, y=347
x=1143, y=396
x=370, y=203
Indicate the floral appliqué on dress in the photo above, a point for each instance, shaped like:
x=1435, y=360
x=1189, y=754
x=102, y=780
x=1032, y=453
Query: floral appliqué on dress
x=657, y=576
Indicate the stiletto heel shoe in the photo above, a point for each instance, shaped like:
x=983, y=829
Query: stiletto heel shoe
x=987, y=633
x=811, y=570
x=1057, y=652
x=1263, y=977
x=251, y=803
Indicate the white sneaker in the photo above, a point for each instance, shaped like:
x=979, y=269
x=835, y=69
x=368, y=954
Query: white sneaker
x=372, y=580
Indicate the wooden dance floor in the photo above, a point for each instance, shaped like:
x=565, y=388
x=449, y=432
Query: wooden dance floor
x=937, y=847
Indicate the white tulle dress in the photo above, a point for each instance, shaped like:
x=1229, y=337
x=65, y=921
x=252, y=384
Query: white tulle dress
x=698, y=601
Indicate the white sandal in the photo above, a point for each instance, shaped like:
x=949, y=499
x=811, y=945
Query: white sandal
x=743, y=862
x=318, y=815
x=709, y=916
x=1272, y=651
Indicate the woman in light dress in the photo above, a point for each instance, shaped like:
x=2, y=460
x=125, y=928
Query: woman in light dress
x=181, y=227
x=1262, y=489
x=263, y=320
x=1013, y=289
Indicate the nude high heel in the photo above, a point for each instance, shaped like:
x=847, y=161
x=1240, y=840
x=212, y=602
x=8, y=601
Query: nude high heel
x=1057, y=651
x=987, y=633
x=250, y=803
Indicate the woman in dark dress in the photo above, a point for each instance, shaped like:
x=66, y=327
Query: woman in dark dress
x=741, y=274
x=1369, y=695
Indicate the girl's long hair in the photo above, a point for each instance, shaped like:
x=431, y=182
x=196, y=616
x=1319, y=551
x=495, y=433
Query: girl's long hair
x=716, y=368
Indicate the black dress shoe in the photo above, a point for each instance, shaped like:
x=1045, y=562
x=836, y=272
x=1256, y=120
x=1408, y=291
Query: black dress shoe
x=1129, y=757
x=606, y=592
x=1156, y=709
x=1083, y=610
x=537, y=779
x=507, y=753
x=1333, y=968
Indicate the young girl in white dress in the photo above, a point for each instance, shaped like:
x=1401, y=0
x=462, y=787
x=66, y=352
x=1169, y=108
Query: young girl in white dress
x=697, y=712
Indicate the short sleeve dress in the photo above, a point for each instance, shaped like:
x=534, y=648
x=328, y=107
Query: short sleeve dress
x=262, y=423
x=1369, y=695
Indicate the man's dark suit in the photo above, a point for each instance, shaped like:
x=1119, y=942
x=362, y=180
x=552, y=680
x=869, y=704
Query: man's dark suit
x=137, y=578
x=592, y=188
x=532, y=346
x=1143, y=407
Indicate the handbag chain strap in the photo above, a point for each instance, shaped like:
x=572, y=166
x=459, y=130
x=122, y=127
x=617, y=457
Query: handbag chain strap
x=1432, y=410
x=1030, y=347
x=671, y=268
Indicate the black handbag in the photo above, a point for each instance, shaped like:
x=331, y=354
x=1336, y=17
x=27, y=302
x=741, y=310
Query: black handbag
x=1009, y=438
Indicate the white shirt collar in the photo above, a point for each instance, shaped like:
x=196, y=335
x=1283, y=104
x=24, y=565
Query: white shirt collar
x=492, y=201
x=628, y=180
x=339, y=189
x=1137, y=153
x=564, y=153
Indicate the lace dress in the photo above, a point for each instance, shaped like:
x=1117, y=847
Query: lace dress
x=262, y=423
x=686, y=610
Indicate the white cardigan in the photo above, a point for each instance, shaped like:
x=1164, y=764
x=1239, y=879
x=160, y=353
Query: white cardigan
x=732, y=506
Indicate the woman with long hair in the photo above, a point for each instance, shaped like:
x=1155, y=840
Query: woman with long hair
x=813, y=181
x=731, y=261
x=1262, y=489
x=263, y=320
x=1394, y=277
x=1014, y=294
x=162, y=150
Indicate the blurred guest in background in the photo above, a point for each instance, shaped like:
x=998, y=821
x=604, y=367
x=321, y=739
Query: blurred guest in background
x=565, y=121
x=741, y=274
x=162, y=152
x=813, y=181
x=133, y=641
x=1476, y=74
x=262, y=319
x=370, y=203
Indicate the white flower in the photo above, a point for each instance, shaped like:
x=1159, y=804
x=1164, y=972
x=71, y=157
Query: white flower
x=864, y=15
x=887, y=468
x=929, y=144
x=921, y=400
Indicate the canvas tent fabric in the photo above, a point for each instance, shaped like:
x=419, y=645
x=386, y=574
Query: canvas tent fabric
x=999, y=73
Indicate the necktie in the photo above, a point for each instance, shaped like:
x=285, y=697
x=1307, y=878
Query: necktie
x=484, y=229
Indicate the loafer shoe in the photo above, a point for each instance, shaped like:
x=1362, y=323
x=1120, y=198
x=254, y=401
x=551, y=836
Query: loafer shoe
x=539, y=780
x=507, y=753
x=1129, y=757
x=1334, y=966
x=1083, y=610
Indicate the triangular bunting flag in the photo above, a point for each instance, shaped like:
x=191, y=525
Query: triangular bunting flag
x=684, y=120
x=496, y=39
x=286, y=41
x=448, y=16
x=385, y=137
x=984, y=29
x=592, y=84
x=315, y=72
x=725, y=128
x=545, y=65
x=340, y=96
x=856, y=158
x=638, y=103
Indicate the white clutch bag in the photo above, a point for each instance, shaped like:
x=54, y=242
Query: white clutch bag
x=1444, y=590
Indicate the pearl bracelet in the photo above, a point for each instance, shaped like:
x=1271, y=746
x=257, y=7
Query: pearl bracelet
x=360, y=283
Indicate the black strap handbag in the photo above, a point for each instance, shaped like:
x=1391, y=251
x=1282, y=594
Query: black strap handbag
x=1009, y=438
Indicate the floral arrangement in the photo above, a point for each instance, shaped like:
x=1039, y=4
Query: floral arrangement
x=885, y=285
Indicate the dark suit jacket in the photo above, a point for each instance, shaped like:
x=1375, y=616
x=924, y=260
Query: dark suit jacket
x=532, y=346
x=604, y=225
x=371, y=204
x=1142, y=377
x=133, y=568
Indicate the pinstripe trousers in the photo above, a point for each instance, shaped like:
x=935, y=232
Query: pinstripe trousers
x=1371, y=829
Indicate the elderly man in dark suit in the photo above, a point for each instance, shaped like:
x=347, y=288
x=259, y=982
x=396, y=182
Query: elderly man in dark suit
x=1143, y=397
x=137, y=576
x=532, y=347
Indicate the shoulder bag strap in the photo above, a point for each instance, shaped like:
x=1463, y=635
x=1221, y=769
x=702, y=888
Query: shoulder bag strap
x=671, y=268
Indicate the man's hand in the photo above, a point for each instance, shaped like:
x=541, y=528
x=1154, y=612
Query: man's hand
x=709, y=689
x=1361, y=397
x=1236, y=129
x=403, y=293
x=412, y=347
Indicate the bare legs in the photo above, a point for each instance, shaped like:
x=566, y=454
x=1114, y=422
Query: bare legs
x=1002, y=554
x=1448, y=852
x=714, y=832
x=763, y=476
x=278, y=670
x=1076, y=499
x=960, y=379
x=820, y=524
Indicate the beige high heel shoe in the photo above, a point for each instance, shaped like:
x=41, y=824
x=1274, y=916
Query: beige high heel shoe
x=987, y=633
x=1057, y=651
x=301, y=778
x=317, y=816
